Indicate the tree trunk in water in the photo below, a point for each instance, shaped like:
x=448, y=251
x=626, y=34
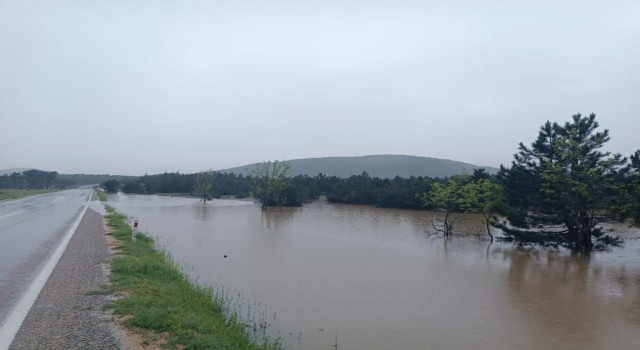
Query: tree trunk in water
x=581, y=239
x=487, y=219
x=583, y=229
x=447, y=227
x=575, y=238
x=587, y=244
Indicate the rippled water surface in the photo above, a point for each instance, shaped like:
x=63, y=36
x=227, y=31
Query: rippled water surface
x=376, y=279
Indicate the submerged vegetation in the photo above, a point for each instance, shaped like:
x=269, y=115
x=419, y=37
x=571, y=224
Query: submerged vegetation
x=270, y=184
x=204, y=185
x=479, y=193
x=358, y=189
x=556, y=192
x=166, y=307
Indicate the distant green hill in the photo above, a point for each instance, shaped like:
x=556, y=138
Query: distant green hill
x=383, y=166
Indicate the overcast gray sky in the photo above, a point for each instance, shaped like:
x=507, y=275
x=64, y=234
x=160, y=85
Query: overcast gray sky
x=146, y=86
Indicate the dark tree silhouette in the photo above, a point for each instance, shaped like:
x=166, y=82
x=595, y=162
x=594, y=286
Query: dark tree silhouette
x=560, y=190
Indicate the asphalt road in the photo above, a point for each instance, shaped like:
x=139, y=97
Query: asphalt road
x=30, y=231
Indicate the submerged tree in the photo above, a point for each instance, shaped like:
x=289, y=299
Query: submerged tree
x=111, y=186
x=629, y=203
x=203, y=185
x=559, y=190
x=446, y=197
x=483, y=196
x=270, y=183
x=478, y=193
x=635, y=187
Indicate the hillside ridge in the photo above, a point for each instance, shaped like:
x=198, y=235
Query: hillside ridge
x=383, y=166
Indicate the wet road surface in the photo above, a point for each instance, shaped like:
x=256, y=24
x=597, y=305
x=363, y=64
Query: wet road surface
x=30, y=230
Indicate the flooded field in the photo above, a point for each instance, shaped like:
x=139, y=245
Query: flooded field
x=375, y=278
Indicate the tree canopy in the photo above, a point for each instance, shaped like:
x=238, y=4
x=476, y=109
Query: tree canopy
x=446, y=197
x=111, y=186
x=32, y=179
x=270, y=183
x=484, y=196
x=634, y=187
x=478, y=193
x=203, y=186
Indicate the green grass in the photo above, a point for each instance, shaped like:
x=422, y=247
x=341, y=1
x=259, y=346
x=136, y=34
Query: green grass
x=101, y=195
x=16, y=193
x=162, y=303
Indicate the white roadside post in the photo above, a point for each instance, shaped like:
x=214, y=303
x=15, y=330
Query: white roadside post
x=135, y=229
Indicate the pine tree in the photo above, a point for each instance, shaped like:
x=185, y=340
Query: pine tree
x=561, y=189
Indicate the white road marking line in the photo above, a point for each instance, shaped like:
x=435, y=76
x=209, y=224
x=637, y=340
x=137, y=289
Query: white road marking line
x=14, y=320
x=29, y=197
x=18, y=212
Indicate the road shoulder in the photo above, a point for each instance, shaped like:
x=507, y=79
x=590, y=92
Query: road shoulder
x=69, y=312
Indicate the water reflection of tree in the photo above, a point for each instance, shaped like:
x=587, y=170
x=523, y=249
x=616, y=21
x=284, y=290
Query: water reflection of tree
x=276, y=216
x=202, y=212
x=466, y=224
x=563, y=295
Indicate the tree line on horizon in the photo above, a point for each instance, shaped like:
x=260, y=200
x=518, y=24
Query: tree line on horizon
x=40, y=179
x=558, y=191
x=34, y=179
x=357, y=189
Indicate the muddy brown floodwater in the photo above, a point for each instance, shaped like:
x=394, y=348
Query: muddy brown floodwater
x=376, y=279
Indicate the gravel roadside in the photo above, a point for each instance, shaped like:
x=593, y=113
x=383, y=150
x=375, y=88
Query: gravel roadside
x=68, y=313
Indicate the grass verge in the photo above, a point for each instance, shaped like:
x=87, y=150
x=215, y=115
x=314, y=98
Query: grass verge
x=16, y=193
x=101, y=195
x=161, y=301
